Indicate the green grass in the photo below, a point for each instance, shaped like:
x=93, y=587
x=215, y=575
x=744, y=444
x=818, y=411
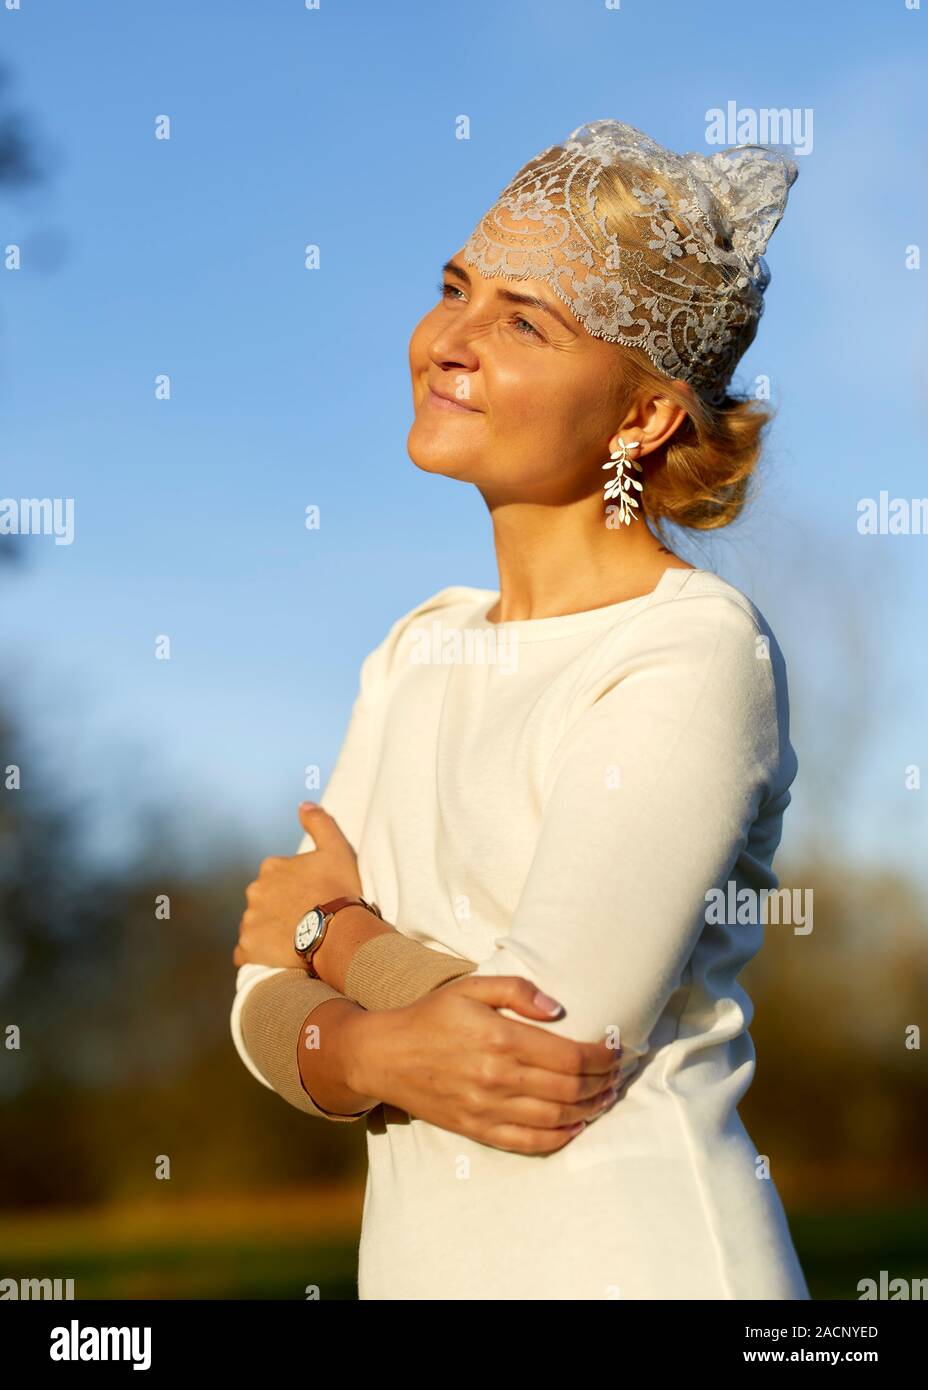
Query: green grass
x=246, y=1269
x=839, y=1247
x=836, y=1247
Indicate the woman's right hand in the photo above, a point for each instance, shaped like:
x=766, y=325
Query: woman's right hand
x=451, y=1059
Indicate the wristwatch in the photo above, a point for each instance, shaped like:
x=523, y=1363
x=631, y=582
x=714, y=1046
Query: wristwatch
x=312, y=926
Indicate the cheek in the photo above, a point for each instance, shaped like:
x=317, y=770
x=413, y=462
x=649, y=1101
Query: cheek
x=520, y=391
x=536, y=398
x=579, y=409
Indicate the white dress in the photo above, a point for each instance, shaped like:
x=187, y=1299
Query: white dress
x=555, y=798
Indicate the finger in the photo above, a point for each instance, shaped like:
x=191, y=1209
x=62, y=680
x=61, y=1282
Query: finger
x=509, y=992
x=521, y=1139
x=525, y=1042
x=522, y=996
x=271, y=865
x=552, y=1114
x=557, y=1088
x=536, y=1047
x=323, y=827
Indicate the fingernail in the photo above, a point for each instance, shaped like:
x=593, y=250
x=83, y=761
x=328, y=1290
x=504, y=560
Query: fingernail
x=607, y=1100
x=544, y=1001
x=308, y=805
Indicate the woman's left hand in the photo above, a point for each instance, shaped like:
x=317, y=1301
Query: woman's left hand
x=286, y=888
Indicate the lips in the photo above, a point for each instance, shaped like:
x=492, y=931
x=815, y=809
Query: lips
x=439, y=402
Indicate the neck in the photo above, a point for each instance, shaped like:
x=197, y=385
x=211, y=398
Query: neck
x=555, y=560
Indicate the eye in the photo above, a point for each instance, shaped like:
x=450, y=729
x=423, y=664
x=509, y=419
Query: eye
x=521, y=325
x=532, y=331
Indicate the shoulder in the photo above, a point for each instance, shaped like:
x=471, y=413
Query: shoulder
x=451, y=604
x=695, y=675
x=701, y=591
x=455, y=602
x=460, y=597
x=701, y=646
x=704, y=617
x=734, y=672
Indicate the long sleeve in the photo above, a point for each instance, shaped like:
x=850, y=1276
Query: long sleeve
x=387, y=972
x=269, y=1034
x=648, y=802
x=272, y=1002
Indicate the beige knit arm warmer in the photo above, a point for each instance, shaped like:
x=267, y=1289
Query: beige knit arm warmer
x=387, y=972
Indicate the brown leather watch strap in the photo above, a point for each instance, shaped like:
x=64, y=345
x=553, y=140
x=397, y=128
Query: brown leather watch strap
x=330, y=908
x=336, y=904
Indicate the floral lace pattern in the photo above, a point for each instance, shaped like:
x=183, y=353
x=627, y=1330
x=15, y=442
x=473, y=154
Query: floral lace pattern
x=689, y=287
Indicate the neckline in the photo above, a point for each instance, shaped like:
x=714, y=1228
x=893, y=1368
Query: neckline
x=564, y=624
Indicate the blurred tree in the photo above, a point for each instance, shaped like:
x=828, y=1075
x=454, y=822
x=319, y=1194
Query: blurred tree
x=19, y=164
x=19, y=168
x=126, y=1051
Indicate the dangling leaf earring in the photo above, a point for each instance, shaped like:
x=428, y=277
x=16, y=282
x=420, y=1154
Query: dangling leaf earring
x=619, y=485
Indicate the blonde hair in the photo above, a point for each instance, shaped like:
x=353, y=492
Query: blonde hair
x=703, y=476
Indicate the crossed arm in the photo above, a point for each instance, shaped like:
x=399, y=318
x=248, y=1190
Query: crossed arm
x=702, y=740
x=386, y=971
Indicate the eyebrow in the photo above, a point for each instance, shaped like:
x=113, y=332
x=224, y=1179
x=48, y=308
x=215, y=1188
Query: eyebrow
x=532, y=300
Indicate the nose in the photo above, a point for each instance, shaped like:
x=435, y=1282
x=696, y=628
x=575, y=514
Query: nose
x=455, y=360
x=450, y=348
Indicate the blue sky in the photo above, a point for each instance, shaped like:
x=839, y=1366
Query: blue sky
x=336, y=127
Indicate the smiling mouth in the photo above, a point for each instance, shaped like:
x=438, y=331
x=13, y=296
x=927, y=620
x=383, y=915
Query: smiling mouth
x=441, y=403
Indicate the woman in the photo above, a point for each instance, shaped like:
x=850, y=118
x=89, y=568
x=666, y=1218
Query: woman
x=550, y=786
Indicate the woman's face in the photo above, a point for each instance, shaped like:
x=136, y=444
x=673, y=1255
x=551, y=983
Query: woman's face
x=533, y=396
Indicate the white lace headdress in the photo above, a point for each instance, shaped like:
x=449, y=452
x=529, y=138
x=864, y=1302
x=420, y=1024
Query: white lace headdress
x=688, y=285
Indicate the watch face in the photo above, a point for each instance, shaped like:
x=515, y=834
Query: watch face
x=308, y=929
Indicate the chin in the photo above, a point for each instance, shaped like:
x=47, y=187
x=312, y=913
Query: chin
x=434, y=455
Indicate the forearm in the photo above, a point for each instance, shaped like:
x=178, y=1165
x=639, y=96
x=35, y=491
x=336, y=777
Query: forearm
x=326, y=1053
x=273, y=1022
x=348, y=931
x=387, y=971
x=371, y=962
